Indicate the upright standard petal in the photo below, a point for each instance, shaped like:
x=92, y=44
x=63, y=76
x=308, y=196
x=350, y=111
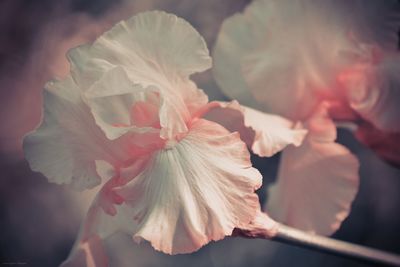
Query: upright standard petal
x=282, y=56
x=317, y=181
x=155, y=49
x=286, y=53
x=195, y=191
x=67, y=143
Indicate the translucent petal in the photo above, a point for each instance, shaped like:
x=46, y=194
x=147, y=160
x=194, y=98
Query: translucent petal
x=373, y=91
x=91, y=253
x=113, y=101
x=67, y=142
x=317, y=181
x=155, y=49
x=283, y=56
x=284, y=51
x=194, y=191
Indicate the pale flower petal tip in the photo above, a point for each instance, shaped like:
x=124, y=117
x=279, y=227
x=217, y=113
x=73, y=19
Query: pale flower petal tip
x=90, y=253
x=317, y=182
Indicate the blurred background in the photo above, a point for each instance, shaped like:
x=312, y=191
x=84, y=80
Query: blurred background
x=39, y=221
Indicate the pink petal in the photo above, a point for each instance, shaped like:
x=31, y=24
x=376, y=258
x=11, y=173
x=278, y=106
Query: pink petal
x=91, y=253
x=66, y=144
x=266, y=134
x=155, y=49
x=317, y=181
x=373, y=91
x=280, y=56
x=194, y=191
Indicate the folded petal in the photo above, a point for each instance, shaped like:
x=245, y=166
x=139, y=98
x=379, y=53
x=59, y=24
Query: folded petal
x=373, y=91
x=67, y=142
x=195, y=191
x=317, y=181
x=265, y=134
x=120, y=106
x=155, y=49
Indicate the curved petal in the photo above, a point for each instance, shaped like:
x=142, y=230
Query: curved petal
x=285, y=53
x=106, y=215
x=90, y=253
x=67, y=142
x=155, y=49
x=120, y=107
x=194, y=191
x=317, y=181
x=233, y=41
x=266, y=134
x=374, y=92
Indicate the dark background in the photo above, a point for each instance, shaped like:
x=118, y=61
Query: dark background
x=39, y=221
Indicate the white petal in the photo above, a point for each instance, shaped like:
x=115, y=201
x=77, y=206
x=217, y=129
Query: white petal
x=68, y=141
x=155, y=49
x=266, y=134
x=375, y=22
x=195, y=191
x=234, y=40
x=111, y=100
x=317, y=181
x=90, y=253
x=286, y=55
x=375, y=93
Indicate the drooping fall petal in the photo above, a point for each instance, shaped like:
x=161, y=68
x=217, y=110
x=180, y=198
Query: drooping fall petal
x=317, y=181
x=195, y=191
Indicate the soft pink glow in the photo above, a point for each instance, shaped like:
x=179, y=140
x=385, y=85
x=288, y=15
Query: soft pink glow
x=129, y=118
x=145, y=114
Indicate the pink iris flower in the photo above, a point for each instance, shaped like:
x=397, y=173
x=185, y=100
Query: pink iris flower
x=287, y=58
x=128, y=118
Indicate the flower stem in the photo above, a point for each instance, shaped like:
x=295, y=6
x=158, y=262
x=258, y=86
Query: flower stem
x=264, y=227
x=296, y=237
